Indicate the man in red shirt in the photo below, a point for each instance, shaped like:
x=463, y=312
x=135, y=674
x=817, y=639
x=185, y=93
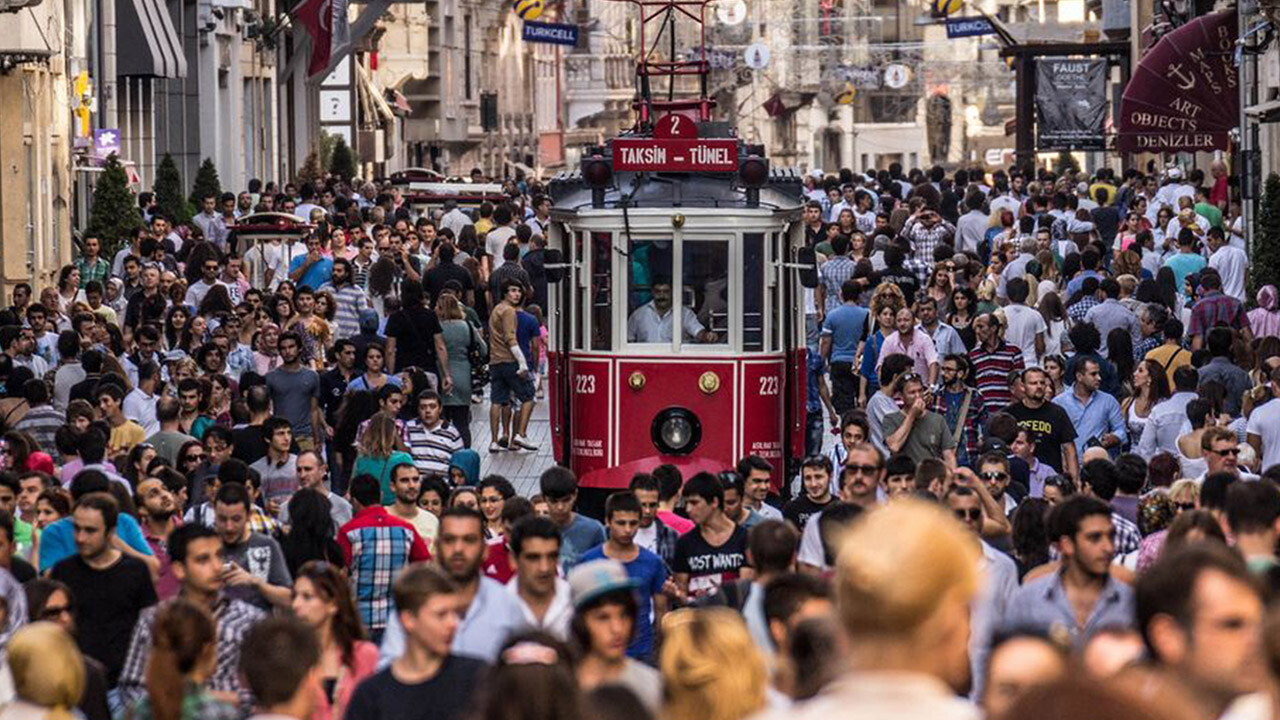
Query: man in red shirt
x=376, y=545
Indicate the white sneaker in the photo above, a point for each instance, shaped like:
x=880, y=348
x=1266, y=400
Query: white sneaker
x=523, y=442
x=496, y=448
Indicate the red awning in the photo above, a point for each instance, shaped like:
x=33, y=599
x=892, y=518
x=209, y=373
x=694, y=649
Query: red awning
x=1184, y=94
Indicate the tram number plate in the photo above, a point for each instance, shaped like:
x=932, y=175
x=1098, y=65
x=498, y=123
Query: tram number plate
x=769, y=385
x=670, y=155
x=585, y=385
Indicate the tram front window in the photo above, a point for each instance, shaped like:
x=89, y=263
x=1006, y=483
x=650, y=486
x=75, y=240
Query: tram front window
x=651, y=296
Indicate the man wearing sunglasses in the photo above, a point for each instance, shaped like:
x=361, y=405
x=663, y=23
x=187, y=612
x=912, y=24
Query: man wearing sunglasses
x=1221, y=450
x=1000, y=581
x=861, y=476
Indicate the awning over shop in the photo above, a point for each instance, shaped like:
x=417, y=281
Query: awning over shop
x=147, y=45
x=1184, y=94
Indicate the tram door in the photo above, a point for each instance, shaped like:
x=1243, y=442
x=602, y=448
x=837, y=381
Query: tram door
x=795, y=341
x=567, y=251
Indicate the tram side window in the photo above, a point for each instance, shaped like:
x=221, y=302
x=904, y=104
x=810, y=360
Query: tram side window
x=705, y=291
x=649, y=291
x=753, y=292
x=601, y=291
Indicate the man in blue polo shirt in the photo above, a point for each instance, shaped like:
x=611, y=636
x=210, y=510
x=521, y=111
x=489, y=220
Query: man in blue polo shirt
x=843, y=332
x=312, y=269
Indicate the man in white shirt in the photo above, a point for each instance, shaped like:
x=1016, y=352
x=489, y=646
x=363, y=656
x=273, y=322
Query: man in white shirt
x=543, y=595
x=1025, y=325
x=264, y=262
x=208, y=220
x=653, y=321
x=501, y=234
x=1231, y=263
x=1169, y=418
x=208, y=278
x=1264, y=426
x=454, y=218
x=140, y=403
x=971, y=228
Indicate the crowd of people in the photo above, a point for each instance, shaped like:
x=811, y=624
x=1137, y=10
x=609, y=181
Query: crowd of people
x=240, y=481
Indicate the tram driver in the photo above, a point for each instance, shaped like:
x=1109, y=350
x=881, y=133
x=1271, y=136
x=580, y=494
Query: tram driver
x=652, y=322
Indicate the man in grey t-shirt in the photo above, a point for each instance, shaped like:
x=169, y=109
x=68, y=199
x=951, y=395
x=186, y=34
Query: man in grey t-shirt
x=295, y=393
x=254, y=566
x=916, y=431
x=884, y=402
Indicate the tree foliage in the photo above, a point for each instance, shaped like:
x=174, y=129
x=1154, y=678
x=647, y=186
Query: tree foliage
x=114, y=214
x=206, y=184
x=343, y=162
x=170, y=199
x=1264, y=267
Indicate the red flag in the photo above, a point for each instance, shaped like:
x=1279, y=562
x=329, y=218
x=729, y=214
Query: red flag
x=317, y=17
x=774, y=106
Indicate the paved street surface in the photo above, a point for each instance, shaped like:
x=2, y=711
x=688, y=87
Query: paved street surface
x=521, y=468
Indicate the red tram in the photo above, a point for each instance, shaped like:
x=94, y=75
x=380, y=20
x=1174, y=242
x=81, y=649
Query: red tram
x=675, y=311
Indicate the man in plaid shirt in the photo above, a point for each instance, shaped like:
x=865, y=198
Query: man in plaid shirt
x=926, y=232
x=377, y=545
x=1215, y=308
x=196, y=553
x=91, y=265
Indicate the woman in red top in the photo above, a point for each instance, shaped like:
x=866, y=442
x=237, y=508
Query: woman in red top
x=322, y=599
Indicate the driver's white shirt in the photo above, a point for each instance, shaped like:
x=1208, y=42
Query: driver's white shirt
x=647, y=325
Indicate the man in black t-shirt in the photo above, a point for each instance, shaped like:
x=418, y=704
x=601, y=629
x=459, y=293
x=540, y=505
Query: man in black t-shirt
x=714, y=553
x=444, y=271
x=1055, y=433
x=427, y=682
x=110, y=588
x=815, y=477
x=415, y=339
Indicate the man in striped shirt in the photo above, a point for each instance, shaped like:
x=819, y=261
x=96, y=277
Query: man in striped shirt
x=992, y=360
x=349, y=299
x=432, y=441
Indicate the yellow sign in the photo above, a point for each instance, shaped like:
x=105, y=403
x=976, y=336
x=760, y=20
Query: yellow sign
x=83, y=88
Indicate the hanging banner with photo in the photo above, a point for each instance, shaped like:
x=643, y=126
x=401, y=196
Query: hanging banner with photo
x=1071, y=104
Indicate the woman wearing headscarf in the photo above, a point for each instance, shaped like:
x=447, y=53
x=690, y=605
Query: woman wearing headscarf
x=1264, y=320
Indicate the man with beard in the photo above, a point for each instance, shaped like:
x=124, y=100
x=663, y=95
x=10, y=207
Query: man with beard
x=1081, y=597
x=196, y=550
x=112, y=587
x=157, y=520
x=376, y=547
x=490, y=614
x=1055, y=434
x=1201, y=617
x=406, y=485
x=862, y=474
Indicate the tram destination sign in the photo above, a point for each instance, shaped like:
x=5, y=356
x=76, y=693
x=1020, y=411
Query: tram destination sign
x=675, y=155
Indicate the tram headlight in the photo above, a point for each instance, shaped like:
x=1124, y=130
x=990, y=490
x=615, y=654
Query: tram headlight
x=676, y=431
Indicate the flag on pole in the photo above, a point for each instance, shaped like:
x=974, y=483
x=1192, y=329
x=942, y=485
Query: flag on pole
x=326, y=23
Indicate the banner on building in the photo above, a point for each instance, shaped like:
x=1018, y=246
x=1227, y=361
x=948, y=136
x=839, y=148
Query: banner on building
x=963, y=27
x=552, y=33
x=1071, y=104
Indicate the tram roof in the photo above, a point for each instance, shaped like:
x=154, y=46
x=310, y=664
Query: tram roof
x=782, y=193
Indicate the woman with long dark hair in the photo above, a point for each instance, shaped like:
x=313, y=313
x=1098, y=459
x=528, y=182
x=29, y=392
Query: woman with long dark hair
x=322, y=599
x=216, y=301
x=1055, y=321
x=1030, y=541
x=964, y=309
x=175, y=322
x=311, y=531
x=1120, y=353
x=1150, y=387
x=183, y=656
x=356, y=407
